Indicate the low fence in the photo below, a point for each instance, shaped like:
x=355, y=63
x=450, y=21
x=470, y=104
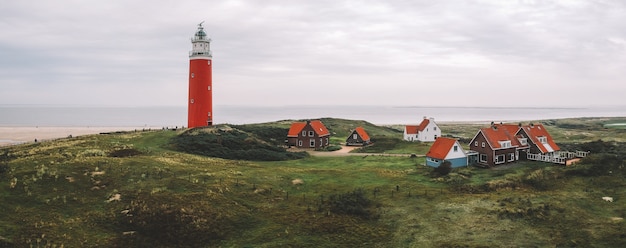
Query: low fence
x=559, y=157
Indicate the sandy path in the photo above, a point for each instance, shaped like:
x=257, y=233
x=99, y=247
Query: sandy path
x=16, y=135
x=345, y=151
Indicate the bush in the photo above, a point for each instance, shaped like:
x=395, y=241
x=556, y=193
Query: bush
x=230, y=144
x=3, y=168
x=352, y=203
x=444, y=168
x=169, y=220
x=123, y=153
x=331, y=148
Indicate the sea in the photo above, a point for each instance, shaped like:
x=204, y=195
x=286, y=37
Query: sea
x=176, y=116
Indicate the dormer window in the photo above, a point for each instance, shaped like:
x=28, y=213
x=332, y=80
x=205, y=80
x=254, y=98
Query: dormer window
x=523, y=141
x=505, y=144
x=543, y=139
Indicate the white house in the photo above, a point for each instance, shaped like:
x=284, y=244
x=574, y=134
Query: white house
x=427, y=131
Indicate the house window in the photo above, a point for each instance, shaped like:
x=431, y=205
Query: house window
x=543, y=139
x=326, y=141
x=310, y=133
x=355, y=136
x=312, y=143
x=505, y=144
x=456, y=148
x=483, y=157
x=500, y=159
x=321, y=141
x=303, y=133
x=299, y=142
x=512, y=157
x=476, y=143
x=483, y=144
x=523, y=141
x=435, y=137
x=435, y=128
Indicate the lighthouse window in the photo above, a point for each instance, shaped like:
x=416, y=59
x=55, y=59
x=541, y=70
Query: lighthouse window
x=191, y=100
x=209, y=62
x=193, y=75
x=209, y=87
x=209, y=113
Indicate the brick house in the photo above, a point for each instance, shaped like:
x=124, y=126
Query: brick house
x=498, y=144
x=358, y=137
x=309, y=134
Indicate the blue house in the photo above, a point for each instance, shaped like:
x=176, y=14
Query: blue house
x=446, y=149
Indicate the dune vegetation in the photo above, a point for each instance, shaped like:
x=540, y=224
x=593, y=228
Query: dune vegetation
x=212, y=187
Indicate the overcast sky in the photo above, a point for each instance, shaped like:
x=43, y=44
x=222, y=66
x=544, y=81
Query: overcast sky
x=325, y=52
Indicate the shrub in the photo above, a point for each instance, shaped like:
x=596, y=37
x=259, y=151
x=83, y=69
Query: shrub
x=331, y=148
x=444, y=168
x=230, y=144
x=126, y=152
x=3, y=168
x=168, y=220
x=352, y=203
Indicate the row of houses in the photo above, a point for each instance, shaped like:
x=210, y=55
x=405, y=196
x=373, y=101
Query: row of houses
x=491, y=146
x=314, y=134
x=501, y=144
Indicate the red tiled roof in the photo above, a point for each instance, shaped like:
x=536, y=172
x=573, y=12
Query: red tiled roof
x=511, y=128
x=498, y=133
x=362, y=133
x=295, y=129
x=319, y=128
x=413, y=129
x=538, y=130
x=441, y=147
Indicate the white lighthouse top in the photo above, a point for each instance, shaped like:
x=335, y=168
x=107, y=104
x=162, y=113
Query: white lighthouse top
x=201, y=45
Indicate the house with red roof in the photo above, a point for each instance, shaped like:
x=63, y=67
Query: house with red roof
x=446, y=149
x=538, y=138
x=426, y=131
x=498, y=144
x=358, y=137
x=308, y=134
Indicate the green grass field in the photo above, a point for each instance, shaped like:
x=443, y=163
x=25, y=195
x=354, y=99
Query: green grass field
x=76, y=193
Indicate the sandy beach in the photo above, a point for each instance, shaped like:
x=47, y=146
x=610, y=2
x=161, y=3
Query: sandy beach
x=17, y=135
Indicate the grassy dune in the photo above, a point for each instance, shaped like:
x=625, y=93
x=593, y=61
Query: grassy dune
x=135, y=190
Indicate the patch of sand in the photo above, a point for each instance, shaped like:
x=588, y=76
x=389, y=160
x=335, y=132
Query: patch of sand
x=17, y=135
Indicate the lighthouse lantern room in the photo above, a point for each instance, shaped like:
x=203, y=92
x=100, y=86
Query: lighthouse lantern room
x=200, y=104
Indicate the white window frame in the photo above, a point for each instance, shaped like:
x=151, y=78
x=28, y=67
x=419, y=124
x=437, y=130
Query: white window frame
x=312, y=143
x=512, y=157
x=476, y=143
x=303, y=133
x=300, y=143
x=497, y=159
x=311, y=133
x=481, y=156
x=483, y=145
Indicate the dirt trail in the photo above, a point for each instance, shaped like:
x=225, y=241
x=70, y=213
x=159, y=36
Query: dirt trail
x=346, y=151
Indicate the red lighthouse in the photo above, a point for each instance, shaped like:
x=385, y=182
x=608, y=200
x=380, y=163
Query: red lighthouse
x=200, y=110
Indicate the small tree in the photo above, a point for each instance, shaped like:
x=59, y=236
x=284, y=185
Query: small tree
x=444, y=168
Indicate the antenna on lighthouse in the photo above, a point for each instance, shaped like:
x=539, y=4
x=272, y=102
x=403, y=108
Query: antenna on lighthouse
x=200, y=24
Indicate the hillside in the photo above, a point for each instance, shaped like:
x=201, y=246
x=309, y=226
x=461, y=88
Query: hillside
x=135, y=189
